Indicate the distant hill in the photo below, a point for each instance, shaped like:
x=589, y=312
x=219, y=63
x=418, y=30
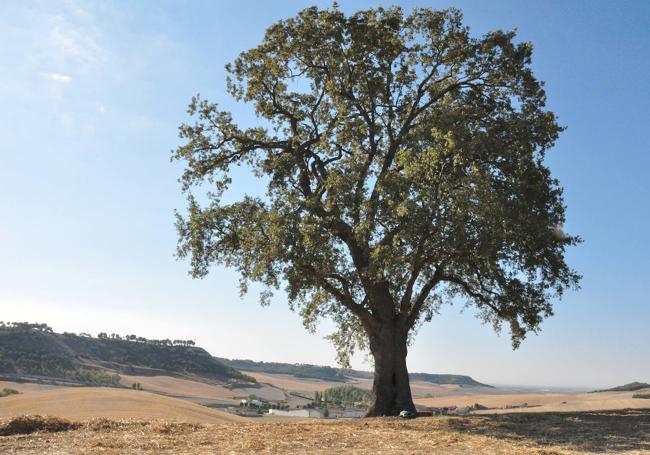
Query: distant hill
x=631, y=387
x=326, y=373
x=34, y=350
x=299, y=370
x=84, y=403
x=457, y=379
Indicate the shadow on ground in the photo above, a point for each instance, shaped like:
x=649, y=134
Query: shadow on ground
x=597, y=431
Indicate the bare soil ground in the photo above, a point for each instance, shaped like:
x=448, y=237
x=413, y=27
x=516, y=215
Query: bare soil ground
x=290, y=388
x=81, y=403
x=307, y=386
x=293, y=383
x=26, y=387
x=625, y=432
x=310, y=385
x=541, y=402
x=196, y=391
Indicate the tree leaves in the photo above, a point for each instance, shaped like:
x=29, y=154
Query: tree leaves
x=404, y=165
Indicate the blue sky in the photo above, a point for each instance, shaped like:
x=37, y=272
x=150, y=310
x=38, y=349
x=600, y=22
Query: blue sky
x=92, y=93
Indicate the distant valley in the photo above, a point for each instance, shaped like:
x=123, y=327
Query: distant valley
x=42, y=365
x=327, y=373
x=35, y=352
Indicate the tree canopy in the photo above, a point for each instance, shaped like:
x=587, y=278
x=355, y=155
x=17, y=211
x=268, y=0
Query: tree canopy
x=403, y=161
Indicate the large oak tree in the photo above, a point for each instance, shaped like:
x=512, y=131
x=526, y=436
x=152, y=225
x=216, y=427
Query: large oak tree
x=403, y=162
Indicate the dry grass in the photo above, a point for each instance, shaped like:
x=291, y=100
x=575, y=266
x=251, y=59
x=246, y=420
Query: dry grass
x=293, y=383
x=82, y=403
x=559, y=434
x=183, y=388
x=26, y=387
x=30, y=424
x=542, y=402
x=311, y=385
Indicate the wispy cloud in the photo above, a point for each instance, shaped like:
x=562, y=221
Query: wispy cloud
x=56, y=77
x=76, y=42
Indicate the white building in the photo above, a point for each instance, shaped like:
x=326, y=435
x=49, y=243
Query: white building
x=340, y=413
x=305, y=413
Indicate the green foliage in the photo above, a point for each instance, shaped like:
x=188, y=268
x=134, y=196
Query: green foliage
x=89, y=376
x=27, y=360
x=22, y=326
x=326, y=373
x=404, y=167
x=38, y=362
x=29, y=349
x=344, y=396
x=298, y=369
x=136, y=386
x=5, y=392
x=631, y=387
x=645, y=395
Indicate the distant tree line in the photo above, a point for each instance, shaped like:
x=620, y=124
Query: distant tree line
x=92, y=376
x=139, y=339
x=25, y=326
x=341, y=396
x=299, y=370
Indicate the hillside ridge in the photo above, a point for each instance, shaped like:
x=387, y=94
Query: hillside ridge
x=36, y=351
x=328, y=373
x=630, y=387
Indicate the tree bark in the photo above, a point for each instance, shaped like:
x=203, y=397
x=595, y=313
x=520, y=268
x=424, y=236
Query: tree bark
x=391, y=390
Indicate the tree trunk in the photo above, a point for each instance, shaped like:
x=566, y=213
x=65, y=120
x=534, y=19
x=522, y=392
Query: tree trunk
x=391, y=390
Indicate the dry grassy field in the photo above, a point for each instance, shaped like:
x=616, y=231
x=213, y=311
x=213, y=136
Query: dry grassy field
x=25, y=387
x=195, y=391
x=283, y=387
x=121, y=421
x=293, y=383
x=624, y=432
x=542, y=402
x=81, y=403
x=419, y=389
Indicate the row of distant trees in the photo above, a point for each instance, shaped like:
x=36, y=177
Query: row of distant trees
x=102, y=335
x=25, y=326
x=341, y=396
x=138, y=339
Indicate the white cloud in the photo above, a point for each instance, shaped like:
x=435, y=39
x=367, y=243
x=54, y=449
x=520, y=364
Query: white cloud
x=56, y=77
x=101, y=109
x=76, y=42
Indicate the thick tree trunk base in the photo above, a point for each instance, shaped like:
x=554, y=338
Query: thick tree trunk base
x=391, y=388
